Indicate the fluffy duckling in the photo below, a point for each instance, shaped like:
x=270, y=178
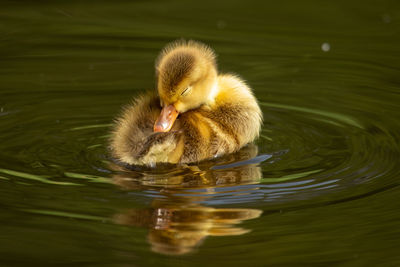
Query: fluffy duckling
x=198, y=113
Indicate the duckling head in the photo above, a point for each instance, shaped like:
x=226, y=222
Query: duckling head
x=186, y=79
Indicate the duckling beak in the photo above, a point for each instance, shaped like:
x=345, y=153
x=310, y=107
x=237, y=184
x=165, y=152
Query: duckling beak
x=166, y=119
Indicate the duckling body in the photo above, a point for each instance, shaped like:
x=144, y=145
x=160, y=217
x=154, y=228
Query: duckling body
x=198, y=114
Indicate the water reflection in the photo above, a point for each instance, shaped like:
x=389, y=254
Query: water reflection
x=177, y=218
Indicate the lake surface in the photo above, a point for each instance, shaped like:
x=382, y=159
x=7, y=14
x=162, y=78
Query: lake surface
x=319, y=187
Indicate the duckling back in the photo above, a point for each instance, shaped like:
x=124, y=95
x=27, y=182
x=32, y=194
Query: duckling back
x=226, y=125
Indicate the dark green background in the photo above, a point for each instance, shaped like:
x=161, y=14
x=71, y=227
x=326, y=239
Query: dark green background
x=329, y=193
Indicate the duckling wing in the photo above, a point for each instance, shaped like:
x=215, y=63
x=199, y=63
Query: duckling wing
x=133, y=140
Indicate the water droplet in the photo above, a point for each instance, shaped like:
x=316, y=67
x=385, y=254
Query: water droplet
x=326, y=47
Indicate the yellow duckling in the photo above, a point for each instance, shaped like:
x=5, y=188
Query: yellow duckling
x=198, y=113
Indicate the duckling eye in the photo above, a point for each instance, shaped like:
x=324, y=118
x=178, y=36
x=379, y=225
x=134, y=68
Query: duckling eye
x=186, y=91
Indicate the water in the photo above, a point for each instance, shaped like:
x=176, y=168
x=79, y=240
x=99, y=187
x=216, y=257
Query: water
x=320, y=186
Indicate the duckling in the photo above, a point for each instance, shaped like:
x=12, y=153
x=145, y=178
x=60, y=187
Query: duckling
x=197, y=114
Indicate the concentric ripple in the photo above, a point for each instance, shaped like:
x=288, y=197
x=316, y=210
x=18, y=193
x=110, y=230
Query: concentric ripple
x=302, y=154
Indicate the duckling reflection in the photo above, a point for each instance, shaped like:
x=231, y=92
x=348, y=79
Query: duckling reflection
x=177, y=220
x=179, y=229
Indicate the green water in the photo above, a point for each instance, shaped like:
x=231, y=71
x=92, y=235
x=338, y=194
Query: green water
x=320, y=186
